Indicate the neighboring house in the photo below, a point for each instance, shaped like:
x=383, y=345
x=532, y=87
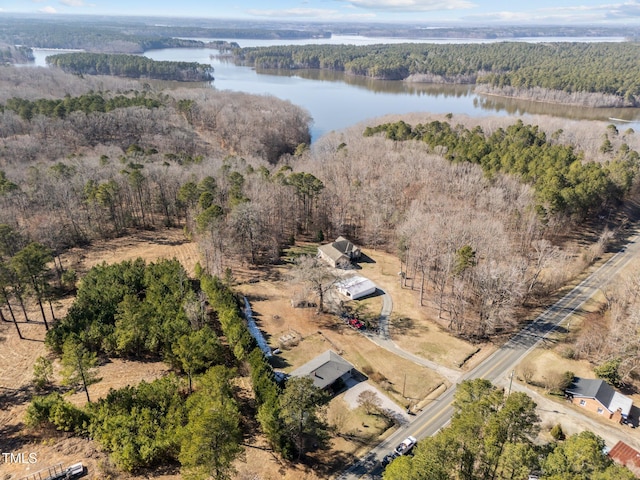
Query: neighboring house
x=326, y=371
x=356, y=287
x=625, y=455
x=339, y=254
x=599, y=397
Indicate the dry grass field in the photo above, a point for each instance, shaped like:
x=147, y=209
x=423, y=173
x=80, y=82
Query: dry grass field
x=414, y=328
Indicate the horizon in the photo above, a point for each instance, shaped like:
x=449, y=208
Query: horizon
x=455, y=13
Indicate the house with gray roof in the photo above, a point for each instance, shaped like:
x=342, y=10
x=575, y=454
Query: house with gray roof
x=339, y=254
x=599, y=397
x=326, y=370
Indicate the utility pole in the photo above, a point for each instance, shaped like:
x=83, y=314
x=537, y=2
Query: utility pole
x=510, y=381
x=404, y=384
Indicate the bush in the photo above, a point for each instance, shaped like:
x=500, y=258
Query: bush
x=567, y=352
x=608, y=371
x=367, y=370
x=557, y=433
x=53, y=410
x=42, y=373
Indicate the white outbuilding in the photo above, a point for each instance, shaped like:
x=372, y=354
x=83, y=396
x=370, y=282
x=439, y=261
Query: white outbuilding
x=356, y=287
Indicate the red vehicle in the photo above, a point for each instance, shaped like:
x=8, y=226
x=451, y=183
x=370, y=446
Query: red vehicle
x=355, y=323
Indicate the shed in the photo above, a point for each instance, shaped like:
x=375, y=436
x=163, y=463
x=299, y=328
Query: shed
x=625, y=455
x=356, y=287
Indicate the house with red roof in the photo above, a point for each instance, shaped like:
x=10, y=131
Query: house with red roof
x=627, y=456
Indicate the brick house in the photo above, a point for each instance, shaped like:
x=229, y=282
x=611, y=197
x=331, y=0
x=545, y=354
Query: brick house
x=599, y=397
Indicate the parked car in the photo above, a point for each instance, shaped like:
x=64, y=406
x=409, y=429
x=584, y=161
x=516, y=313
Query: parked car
x=76, y=470
x=357, y=324
x=406, y=446
x=388, y=459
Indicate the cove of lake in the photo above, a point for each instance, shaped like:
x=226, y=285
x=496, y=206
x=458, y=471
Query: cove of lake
x=336, y=101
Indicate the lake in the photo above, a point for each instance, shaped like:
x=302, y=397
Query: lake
x=336, y=101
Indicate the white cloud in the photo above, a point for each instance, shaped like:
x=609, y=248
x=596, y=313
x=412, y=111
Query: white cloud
x=412, y=5
x=564, y=14
x=48, y=9
x=624, y=10
x=73, y=3
x=293, y=12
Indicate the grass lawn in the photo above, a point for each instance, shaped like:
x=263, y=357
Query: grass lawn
x=413, y=327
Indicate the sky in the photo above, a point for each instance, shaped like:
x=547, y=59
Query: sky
x=567, y=12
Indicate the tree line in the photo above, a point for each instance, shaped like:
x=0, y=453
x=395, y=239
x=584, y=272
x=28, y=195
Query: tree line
x=10, y=54
x=604, y=68
x=94, y=36
x=91, y=102
x=491, y=437
x=109, y=35
x=133, y=66
x=563, y=181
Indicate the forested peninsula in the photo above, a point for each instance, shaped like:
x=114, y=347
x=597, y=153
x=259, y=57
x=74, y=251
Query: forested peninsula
x=131, y=66
x=590, y=74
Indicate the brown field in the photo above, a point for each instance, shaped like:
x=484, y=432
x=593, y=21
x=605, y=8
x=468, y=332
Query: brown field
x=315, y=333
x=413, y=327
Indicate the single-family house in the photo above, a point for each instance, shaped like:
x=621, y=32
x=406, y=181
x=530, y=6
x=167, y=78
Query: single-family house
x=327, y=371
x=356, y=287
x=627, y=456
x=599, y=397
x=339, y=254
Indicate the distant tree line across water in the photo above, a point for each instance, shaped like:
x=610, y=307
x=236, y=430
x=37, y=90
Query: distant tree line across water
x=603, y=68
x=128, y=36
x=132, y=66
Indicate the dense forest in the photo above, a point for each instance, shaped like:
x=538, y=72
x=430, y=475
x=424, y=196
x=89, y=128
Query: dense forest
x=608, y=69
x=132, y=66
x=132, y=35
x=563, y=181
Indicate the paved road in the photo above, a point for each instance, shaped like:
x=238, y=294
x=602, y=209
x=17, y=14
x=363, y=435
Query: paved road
x=500, y=364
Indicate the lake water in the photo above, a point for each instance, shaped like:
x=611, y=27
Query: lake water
x=336, y=101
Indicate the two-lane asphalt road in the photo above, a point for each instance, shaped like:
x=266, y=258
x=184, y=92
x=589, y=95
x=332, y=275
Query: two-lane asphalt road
x=500, y=364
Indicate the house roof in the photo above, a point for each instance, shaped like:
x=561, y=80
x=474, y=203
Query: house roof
x=627, y=456
x=602, y=392
x=332, y=252
x=338, y=249
x=355, y=286
x=324, y=369
x=344, y=245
